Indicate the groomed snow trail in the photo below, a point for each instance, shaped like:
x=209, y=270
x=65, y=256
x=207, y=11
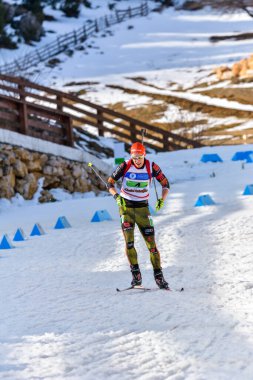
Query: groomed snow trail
x=61, y=317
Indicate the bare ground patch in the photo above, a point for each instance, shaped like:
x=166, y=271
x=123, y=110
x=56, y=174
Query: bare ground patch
x=200, y=129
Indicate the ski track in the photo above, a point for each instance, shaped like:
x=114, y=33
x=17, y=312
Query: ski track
x=61, y=317
x=125, y=336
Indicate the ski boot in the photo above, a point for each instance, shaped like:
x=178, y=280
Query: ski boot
x=136, y=275
x=159, y=279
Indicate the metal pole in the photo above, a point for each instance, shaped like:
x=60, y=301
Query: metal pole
x=143, y=132
x=101, y=179
x=155, y=190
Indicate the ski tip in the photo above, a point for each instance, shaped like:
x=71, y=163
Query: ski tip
x=117, y=289
x=174, y=290
x=90, y=164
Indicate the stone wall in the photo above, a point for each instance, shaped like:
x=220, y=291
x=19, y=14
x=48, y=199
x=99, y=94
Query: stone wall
x=20, y=170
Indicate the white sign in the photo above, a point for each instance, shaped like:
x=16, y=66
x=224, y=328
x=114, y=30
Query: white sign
x=119, y=152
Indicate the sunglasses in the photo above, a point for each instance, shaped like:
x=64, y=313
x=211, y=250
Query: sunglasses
x=140, y=157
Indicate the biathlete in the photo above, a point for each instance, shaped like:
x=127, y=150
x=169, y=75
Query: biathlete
x=137, y=174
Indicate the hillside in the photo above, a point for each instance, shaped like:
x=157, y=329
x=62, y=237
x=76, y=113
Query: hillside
x=162, y=70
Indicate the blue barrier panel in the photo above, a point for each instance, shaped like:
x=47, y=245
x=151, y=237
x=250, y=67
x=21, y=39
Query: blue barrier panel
x=100, y=216
x=240, y=156
x=61, y=223
x=19, y=235
x=211, y=158
x=6, y=243
x=249, y=159
x=248, y=190
x=204, y=200
x=37, y=230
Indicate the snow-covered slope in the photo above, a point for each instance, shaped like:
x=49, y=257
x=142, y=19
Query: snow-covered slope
x=62, y=318
x=164, y=61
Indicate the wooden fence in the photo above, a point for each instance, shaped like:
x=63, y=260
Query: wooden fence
x=41, y=112
x=71, y=39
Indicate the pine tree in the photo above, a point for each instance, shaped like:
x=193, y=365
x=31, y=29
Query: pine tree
x=35, y=7
x=5, y=39
x=2, y=18
x=87, y=3
x=71, y=8
x=165, y=3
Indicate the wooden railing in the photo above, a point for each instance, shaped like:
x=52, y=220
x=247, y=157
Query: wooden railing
x=52, y=115
x=71, y=39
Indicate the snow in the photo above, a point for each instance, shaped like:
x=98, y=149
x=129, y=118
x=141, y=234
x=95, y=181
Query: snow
x=62, y=318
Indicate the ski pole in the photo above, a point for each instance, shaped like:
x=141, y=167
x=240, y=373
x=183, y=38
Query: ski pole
x=143, y=132
x=155, y=190
x=101, y=179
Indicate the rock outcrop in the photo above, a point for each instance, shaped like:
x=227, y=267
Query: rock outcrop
x=240, y=70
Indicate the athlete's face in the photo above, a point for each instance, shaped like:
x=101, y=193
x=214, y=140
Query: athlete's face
x=138, y=160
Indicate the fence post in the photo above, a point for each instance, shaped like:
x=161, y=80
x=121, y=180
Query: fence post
x=3, y=69
x=17, y=64
x=69, y=130
x=147, y=9
x=23, y=118
x=117, y=16
x=59, y=102
x=59, y=43
x=130, y=12
x=96, y=26
x=23, y=110
x=38, y=54
x=75, y=37
x=144, y=9
x=165, y=142
x=84, y=32
x=100, y=123
x=106, y=22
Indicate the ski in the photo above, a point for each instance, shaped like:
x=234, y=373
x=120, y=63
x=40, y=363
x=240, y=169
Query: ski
x=167, y=289
x=140, y=287
x=174, y=290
